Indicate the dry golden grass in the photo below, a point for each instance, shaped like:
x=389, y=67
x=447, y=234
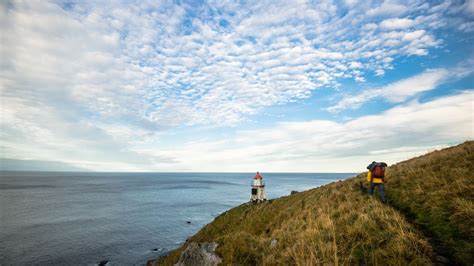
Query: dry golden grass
x=334, y=224
x=436, y=192
x=337, y=224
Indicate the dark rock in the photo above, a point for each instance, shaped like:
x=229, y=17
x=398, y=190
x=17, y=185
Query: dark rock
x=188, y=222
x=155, y=249
x=199, y=254
x=103, y=262
x=293, y=192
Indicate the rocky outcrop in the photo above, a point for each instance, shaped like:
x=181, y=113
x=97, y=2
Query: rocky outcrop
x=199, y=254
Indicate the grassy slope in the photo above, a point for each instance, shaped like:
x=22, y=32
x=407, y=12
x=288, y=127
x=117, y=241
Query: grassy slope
x=336, y=224
x=436, y=192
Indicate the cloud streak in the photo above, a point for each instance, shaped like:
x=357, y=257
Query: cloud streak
x=395, y=92
x=322, y=145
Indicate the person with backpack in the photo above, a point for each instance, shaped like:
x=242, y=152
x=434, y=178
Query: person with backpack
x=376, y=177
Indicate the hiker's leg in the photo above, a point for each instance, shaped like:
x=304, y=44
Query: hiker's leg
x=382, y=192
x=371, y=189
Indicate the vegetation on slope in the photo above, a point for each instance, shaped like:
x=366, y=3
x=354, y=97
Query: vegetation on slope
x=337, y=224
x=436, y=192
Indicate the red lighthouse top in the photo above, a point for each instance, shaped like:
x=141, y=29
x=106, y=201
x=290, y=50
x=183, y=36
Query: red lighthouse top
x=258, y=176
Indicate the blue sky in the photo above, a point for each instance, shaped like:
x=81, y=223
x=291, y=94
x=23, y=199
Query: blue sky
x=292, y=86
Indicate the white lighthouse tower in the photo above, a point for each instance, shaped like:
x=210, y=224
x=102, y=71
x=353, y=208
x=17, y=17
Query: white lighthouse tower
x=258, y=189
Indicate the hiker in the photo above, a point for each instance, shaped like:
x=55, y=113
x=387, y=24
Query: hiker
x=376, y=177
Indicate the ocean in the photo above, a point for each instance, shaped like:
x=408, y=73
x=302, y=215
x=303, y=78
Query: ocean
x=124, y=218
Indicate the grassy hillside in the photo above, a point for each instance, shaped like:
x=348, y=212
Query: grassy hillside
x=436, y=192
x=337, y=224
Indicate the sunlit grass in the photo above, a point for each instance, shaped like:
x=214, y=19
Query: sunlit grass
x=436, y=192
x=337, y=224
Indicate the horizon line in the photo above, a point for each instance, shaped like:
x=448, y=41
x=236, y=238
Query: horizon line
x=158, y=172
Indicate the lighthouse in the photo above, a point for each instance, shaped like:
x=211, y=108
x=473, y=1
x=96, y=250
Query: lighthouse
x=258, y=189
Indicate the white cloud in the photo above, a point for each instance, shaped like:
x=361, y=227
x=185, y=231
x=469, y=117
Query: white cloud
x=398, y=91
x=401, y=90
x=379, y=72
x=370, y=26
x=467, y=26
x=355, y=65
x=322, y=145
x=387, y=8
x=397, y=23
x=470, y=6
x=411, y=36
x=350, y=3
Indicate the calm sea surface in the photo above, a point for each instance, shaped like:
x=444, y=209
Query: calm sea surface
x=84, y=218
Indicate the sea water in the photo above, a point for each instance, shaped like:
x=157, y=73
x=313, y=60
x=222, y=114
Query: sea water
x=124, y=218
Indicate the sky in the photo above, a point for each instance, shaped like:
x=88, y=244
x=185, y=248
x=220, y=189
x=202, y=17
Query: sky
x=232, y=86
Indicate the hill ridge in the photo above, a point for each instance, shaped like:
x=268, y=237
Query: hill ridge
x=428, y=219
